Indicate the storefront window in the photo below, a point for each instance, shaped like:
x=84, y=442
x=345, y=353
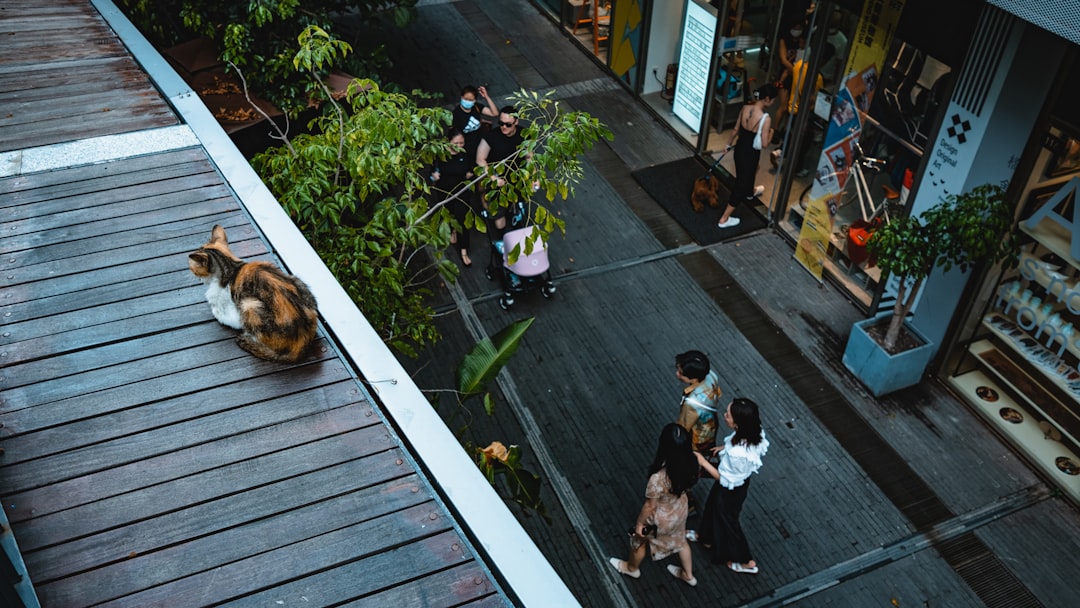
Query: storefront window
x=1023, y=361
x=589, y=21
x=1019, y=351
x=854, y=158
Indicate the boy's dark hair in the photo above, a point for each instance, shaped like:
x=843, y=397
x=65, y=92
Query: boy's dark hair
x=693, y=364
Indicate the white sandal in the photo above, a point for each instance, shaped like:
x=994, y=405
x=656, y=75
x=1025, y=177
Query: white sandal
x=624, y=568
x=678, y=572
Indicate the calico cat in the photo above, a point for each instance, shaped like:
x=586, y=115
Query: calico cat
x=275, y=312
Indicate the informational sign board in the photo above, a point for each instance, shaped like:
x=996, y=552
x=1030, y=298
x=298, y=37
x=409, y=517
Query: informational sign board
x=695, y=57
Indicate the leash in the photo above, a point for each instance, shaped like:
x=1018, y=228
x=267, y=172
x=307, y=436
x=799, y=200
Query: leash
x=716, y=164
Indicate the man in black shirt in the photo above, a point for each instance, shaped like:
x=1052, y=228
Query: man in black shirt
x=498, y=145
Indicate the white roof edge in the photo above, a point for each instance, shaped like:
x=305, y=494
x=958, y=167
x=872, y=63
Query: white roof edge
x=509, y=550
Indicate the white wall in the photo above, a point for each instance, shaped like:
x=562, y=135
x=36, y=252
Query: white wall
x=667, y=17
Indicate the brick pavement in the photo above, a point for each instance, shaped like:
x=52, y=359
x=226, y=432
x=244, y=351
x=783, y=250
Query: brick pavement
x=593, y=381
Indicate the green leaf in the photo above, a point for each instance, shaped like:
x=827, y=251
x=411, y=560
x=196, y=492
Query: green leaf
x=487, y=358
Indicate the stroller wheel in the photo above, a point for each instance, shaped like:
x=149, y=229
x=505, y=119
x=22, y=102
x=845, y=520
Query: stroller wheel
x=547, y=290
x=506, y=302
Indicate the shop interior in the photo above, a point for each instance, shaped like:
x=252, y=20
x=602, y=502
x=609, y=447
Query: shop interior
x=1019, y=363
x=589, y=22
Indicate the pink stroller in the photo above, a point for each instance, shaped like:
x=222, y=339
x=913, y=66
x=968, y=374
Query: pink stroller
x=527, y=273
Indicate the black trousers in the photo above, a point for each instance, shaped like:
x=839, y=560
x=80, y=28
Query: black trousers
x=720, y=524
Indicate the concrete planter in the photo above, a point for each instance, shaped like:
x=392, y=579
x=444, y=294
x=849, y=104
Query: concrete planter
x=879, y=371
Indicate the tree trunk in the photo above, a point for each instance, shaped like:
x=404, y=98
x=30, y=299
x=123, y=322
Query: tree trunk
x=905, y=299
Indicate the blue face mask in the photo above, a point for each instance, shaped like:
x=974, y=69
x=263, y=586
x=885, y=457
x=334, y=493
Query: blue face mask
x=467, y=104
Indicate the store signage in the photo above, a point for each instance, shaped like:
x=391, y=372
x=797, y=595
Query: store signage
x=1050, y=211
x=695, y=57
x=1034, y=316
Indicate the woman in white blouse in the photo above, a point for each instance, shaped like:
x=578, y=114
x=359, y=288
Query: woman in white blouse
x=740, y=457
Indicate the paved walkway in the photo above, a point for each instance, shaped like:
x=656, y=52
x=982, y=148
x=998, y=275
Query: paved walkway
x=907, y=500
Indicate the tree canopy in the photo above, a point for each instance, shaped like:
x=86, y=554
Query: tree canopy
x=355, y=185
x=260, y=36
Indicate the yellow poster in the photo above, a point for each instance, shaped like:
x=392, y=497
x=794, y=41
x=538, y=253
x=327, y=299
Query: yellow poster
x=871, y=43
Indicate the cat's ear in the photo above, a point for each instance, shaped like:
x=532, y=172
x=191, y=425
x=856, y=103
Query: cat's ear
x=217, y=236
x=199, y=263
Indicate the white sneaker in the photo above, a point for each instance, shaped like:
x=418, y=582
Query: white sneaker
x=759, y=190
x=730, y=223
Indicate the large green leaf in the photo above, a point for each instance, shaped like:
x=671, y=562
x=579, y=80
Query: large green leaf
x=486, y=359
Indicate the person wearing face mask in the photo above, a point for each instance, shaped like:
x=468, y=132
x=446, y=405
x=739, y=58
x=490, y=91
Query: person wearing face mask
x=792, y=45
x=468, y=117
x=449, y=176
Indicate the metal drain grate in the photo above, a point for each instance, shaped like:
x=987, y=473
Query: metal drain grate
x=995, y=585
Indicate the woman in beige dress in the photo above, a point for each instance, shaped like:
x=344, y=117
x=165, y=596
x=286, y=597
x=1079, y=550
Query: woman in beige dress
x=661, y=524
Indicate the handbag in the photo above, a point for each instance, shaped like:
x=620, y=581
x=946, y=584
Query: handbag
x=757, y=136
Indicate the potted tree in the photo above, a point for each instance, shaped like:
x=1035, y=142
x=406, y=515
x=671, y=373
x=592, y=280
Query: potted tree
x=887, y=354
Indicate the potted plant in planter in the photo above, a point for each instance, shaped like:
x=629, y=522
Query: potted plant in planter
x=964, y=230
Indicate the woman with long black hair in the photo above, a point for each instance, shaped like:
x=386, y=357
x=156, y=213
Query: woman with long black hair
x=752, y=118
x=661, y=524
x=740, y=457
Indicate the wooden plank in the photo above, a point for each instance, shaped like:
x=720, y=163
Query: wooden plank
x=372, y=540
x=107, y=189
x=79, y=261
x=88, y=298
x=91, y=125
x=83, y=328
x=130, y=395
x=381, y=485
x=303, y=473
x=123, y=465
x=352, y=580
x=488, y=601
x=149, y=220
x=253, y=549
x=116, y=275
x=67, y=252
x=451, y=587
x=137, y=368
x=81, y=173
x=123, y=96
x=45, y=81
x=90, y=360
x=122, y=329
x=56, y=48
x=98, y=429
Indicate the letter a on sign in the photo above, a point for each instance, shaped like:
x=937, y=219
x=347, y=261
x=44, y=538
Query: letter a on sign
x=1050, y=211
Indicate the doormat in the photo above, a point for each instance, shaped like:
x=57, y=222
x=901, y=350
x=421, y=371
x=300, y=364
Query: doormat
x=671, y=185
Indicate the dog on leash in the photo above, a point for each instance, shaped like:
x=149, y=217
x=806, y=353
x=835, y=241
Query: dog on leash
x=706, y=189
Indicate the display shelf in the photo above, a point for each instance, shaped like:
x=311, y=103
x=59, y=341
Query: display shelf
x=1058, y=337
x=1051, y=405
x=1047, y=362
x=1021, y=426
x=1054, y=237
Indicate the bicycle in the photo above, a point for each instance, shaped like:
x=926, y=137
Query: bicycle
x=858, y=186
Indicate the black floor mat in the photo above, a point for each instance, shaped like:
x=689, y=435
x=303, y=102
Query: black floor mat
x=672, y=183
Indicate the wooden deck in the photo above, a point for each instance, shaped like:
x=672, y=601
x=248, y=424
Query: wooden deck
x=147, y=460
x=64, y=71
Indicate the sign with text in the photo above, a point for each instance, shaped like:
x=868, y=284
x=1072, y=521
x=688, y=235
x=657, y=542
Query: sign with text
x=695, y=56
